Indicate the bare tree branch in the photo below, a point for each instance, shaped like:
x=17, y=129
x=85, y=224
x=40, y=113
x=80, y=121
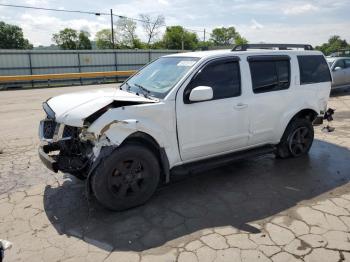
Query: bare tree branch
x=151, y=26
x=126, y=28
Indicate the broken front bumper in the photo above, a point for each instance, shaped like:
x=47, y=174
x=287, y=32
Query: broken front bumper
x=61, y=148
x=47, y=160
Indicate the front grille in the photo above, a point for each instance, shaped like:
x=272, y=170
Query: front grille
x=69, y=131
x=49, y=128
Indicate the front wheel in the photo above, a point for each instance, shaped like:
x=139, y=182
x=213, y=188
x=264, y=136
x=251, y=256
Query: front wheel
x=126, y=178
x=297, y=139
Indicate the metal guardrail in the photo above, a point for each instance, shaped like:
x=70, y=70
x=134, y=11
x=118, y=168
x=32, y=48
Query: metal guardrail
x=49, y=77
x=53, y=68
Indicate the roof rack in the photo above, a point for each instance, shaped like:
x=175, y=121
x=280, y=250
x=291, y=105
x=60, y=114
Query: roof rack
x=244, y=47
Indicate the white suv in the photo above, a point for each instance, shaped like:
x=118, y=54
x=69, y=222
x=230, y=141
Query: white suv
x=185, y=112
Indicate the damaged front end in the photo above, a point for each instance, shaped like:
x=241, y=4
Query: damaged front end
x=66, y=143
x=62, y=149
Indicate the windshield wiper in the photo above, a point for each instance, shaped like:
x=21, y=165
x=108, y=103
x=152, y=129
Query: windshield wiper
x=127, y=86
x=145, y=91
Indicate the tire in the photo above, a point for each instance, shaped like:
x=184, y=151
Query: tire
x=81, y=175
x=296, y=140
x=127, y=178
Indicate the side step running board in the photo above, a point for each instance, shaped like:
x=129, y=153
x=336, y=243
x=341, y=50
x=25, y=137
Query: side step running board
x=218, y=161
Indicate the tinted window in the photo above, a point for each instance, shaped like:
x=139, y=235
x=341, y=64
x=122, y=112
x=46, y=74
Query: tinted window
x=269, y=75
x=339, y=63
x=347, y=63
x=313, y=69
x=222, y=76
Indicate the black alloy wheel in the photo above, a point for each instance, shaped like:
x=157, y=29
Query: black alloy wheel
x=300, y=141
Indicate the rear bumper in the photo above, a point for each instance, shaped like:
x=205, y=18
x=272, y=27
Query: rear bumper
x=48, y=161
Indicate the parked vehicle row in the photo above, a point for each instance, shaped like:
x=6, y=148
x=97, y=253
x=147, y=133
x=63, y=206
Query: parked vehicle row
x=340, y=68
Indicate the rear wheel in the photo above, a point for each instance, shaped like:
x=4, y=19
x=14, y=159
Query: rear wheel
x=127, y=178
x=297, y=139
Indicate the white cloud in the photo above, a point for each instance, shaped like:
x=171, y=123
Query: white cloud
x=263, y=20
x=38, y=3
x=163, y=2
x=281, y=33
x=255, y=25
x=42, y=27
x=299, y=9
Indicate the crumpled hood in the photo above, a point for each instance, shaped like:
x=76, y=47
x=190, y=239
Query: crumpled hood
x=72, y=109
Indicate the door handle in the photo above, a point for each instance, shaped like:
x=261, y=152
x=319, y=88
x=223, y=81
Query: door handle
x=241, y=106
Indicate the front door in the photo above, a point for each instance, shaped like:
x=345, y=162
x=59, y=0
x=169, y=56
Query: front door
x=339, y=73
x=347, y=71
x=217, y=126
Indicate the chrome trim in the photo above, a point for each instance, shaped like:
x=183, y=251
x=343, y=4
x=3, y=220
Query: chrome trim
x=58, y=132
x=49, y=112
x=41, y=132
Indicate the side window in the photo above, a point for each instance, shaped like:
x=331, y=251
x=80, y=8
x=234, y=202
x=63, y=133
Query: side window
x=269, y=74
x=347, y=63
x=340, y=63
x=222, y=76
x=313, y=69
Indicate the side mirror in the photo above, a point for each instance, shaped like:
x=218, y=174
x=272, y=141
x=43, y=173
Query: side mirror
x=201, y=93
x=337, y=68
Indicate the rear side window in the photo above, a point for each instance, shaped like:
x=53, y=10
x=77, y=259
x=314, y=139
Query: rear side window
x=340, y=63
x=313, y=69
x=223, y=76
x=347, y=63
x=269, y=73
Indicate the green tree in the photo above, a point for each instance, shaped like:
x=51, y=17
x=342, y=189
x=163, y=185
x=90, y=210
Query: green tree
x=157, y=45
x=225, y=36
x=176, y=37
x=67, y=39
x=204, y=45
x=239, y=40
x=334, y=44
x=11, y=37
x=126, y=30
x=84, y=41
x=104, y=39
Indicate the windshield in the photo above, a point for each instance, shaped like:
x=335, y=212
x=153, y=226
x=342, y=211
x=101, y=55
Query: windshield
x=160, y=76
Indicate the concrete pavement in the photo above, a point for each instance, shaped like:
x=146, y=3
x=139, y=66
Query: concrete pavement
x=259, y=209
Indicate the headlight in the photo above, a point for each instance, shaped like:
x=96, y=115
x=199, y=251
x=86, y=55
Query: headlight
x=49, y=112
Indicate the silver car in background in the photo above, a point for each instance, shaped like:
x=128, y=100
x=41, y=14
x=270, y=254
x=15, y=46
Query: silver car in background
x=340, y=68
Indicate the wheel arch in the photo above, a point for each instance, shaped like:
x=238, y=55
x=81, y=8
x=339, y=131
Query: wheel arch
x=151, y=143
x=305, y=113
x=309, y=114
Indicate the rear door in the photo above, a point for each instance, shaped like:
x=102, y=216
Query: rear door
x=270, y=85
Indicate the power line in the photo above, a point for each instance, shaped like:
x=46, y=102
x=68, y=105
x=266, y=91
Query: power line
x=54, y=9
x=87, y=12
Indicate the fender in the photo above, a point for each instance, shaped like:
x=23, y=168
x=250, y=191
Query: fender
x=288, y=116
x=156, y=120
x=117, y=125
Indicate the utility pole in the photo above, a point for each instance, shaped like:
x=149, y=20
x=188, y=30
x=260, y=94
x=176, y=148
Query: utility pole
x=204, y=36
x=112, y=28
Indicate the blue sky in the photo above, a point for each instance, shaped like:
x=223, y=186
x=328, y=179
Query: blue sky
x=292, y=21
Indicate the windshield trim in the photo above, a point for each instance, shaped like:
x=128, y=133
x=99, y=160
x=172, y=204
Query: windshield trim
x=152, y=94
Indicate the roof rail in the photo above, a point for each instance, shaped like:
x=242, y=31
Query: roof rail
x=244, y=47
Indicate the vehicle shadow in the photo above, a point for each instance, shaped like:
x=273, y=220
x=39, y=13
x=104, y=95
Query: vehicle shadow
x=234, y=195
x=343, y=91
